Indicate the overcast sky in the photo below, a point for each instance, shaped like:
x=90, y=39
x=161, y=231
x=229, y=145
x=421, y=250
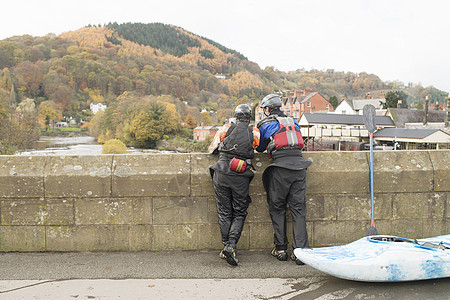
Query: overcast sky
x=404, y=40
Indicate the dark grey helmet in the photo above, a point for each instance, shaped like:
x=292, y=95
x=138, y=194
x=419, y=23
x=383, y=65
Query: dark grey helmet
x=243, y=111
x=271, y=101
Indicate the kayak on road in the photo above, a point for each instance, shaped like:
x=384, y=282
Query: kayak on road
x=383, y=258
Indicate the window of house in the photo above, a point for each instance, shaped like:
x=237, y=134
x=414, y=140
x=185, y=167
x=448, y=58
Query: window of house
x=308, y=104
x=326, y=106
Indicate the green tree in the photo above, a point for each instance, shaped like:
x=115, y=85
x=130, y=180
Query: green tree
x=393, y=97
x=150, y=125
x=334, y=101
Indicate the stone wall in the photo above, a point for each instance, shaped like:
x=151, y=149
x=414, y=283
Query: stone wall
x=166, y=202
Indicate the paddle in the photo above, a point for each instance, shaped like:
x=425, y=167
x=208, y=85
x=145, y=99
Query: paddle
x=369, y=121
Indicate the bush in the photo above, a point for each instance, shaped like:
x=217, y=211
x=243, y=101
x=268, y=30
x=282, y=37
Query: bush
x=114, y=146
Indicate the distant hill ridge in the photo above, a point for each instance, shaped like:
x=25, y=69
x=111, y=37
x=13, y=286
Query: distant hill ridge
x=100, y=63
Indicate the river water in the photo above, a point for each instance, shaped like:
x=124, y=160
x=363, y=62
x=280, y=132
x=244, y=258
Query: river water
x=79, y=145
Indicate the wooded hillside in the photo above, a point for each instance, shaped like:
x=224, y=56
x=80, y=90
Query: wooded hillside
x=152, y=61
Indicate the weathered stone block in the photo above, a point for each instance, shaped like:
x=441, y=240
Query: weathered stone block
x=151, y=175
x=201, y=183
x=258, y=210
x=177, y=210
x=337, y=172
x=78, y=176
x=412, y=229
x=440, y=160
x=418, y=206
x=22, y=238
x=23, y=212
x=22, y=176
x=328, y=233
x=358, y=207
x=113, y=211
x=88, y=238
x=36, y=212
x=209, y=237
x=261, y=235
x=321, y=207
x=175, y=237
x=353, y=207
x=59, y=212
x=402, y=172
x=244, y=240
x=446, y=197
x=438, y=206
x=212, y=211
x=140, y=237
x=435, y=227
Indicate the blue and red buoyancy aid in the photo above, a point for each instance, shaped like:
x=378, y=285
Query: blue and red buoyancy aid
x=287, y=137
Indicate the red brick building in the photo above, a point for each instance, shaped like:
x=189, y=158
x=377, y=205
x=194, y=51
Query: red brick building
x=201, y=132
x=298, y=102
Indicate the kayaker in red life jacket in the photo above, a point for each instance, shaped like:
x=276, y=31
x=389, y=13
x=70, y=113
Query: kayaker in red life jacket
x=285, y=179
x=231, y=176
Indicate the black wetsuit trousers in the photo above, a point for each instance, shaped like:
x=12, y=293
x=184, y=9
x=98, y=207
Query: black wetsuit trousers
x=232, y=200
x=284, y=187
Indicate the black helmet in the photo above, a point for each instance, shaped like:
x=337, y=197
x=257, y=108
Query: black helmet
x=243, y=112
x=271, y=101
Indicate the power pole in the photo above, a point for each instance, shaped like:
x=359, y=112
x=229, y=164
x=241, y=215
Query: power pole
x=425, y=118
x=447, y=118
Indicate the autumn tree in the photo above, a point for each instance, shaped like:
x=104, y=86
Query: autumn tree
x=206, y=120
x=148, y=127
x=28, y=78
x=18, y=130
x=48, y=113
x=190, y=122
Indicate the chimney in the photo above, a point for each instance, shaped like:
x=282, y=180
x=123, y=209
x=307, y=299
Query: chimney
x=399, y=103
x=203, y=125
x=382, y=94
x=425, y=118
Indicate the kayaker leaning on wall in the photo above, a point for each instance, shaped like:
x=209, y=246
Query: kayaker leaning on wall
x=231, y=176
x=285, y=179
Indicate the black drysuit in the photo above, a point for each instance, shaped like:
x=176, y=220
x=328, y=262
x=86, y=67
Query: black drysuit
x=231, y=188
x=285, y=182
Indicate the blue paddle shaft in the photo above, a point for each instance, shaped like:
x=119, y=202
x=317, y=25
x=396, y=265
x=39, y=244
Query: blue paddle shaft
x=371, y=178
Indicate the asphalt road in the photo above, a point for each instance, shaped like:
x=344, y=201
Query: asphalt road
x=187, y=275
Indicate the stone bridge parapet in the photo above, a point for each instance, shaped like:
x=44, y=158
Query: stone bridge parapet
x=165, y=202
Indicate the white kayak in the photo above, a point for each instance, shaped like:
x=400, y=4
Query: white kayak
x=383, y=258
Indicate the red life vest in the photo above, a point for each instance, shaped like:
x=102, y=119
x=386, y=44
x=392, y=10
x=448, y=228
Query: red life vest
x=287, y=137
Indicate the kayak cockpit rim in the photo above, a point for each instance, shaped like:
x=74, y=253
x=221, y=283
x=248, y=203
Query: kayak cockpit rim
x=395, y=239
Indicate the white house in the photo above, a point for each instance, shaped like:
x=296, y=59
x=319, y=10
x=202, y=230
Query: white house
x=96, y=107
x=410, y=139
x=355, y=107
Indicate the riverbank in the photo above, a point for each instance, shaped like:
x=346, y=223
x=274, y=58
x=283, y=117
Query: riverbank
x=76, y=145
